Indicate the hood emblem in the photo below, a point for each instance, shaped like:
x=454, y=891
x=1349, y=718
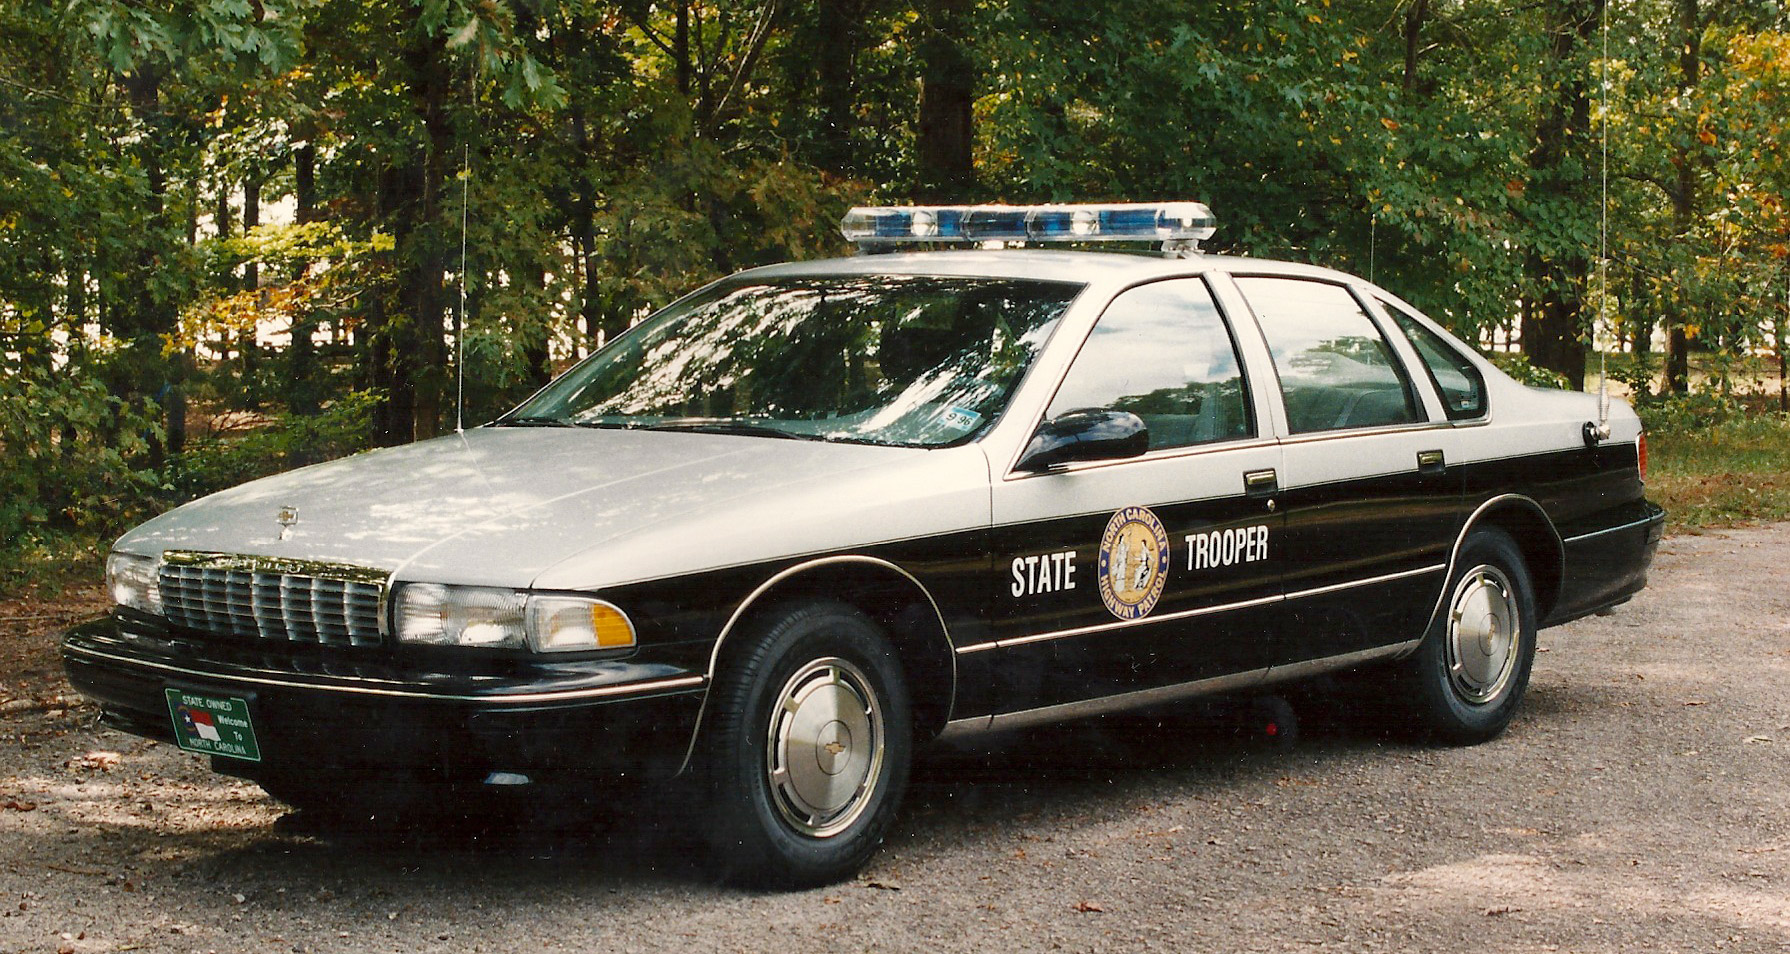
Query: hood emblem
x=288, y=518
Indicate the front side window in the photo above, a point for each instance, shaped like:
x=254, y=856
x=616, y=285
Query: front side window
x=1461, y=384
x=881, y=359
x=1337, y=371
x=1162, y=352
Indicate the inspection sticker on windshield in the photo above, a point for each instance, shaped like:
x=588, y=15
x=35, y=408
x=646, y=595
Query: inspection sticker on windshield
x=962, y=418
x=213, y=725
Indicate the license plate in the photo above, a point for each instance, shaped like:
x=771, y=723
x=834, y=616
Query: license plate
x=213, y=725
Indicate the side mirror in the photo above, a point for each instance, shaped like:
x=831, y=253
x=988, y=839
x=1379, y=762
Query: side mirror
x=1085, y=434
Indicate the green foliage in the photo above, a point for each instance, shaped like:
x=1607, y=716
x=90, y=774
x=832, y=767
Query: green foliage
x=609, y=157
x=1519, y=366
x=1697, y=412
x=73, y=461
x=231, y=457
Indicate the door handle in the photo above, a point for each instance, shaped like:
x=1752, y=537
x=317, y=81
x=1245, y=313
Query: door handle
x=1431, y=462
x=1260, y=483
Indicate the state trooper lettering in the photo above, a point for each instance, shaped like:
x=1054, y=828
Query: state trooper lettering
x=1043, y=573
x=1218, y=548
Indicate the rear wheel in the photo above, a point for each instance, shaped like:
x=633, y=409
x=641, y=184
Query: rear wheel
x=807, y=757
x=1473, y=666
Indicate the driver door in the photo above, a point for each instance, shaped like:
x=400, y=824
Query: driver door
x=1120, y=576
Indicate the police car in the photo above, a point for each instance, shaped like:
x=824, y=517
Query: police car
x=816, y=514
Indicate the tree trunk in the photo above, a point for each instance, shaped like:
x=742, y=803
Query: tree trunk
x=945, y=131
x=1783, y=362
x=1551, y=324
x=428, y=297
x=1554, y=326
x=1414, y=17
x=301, y=355
x=1684, y=196
x=537, y=359
x=409, y=352
x=248, y=344
x=839, y=36
x=150, y=318
x=680, y=45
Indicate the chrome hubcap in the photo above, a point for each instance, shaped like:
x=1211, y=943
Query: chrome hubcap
x=824, y=750
x=1484, y=627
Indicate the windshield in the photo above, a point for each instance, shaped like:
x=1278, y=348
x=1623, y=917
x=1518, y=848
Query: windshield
x=883, y=359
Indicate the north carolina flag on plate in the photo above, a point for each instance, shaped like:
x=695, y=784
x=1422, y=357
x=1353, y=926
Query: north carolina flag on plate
x=200, y=724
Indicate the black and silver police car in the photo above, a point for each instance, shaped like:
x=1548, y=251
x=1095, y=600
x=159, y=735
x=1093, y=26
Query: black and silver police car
x=816, y=514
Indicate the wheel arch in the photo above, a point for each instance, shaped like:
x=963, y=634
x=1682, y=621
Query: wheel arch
x=890, y=596
x=1529, y=527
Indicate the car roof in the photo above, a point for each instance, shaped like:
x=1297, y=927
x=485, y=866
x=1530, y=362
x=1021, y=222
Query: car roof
x=1039, y=264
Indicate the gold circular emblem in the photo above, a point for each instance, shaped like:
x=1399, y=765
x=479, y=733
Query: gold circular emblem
x=1133, y=562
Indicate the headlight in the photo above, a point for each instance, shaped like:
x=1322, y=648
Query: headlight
x=434, y=615
x=431, y=614
x=133, y=581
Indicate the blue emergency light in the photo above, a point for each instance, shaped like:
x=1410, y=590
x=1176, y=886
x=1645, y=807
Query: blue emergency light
x=1176, y=224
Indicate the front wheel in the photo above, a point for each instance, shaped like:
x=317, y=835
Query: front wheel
x=807, y=757
x=1473, y=666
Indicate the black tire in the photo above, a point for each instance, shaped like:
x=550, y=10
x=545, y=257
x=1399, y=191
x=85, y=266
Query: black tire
x=778, y=821
x=1472, y=669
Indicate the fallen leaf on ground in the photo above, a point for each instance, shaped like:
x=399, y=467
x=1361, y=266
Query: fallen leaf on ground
x=101, y=760
x=1089, y=907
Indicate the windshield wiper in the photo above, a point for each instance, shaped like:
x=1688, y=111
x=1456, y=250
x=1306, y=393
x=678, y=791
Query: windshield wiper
x=740, y=428
x=561, y=422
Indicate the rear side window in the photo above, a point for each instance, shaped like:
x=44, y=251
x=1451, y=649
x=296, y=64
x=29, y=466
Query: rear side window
x=1162, y=352
x=1337, y=371
x=1461, y=384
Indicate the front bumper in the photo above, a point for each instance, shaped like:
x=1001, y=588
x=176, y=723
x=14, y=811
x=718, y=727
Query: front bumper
x=369, y=715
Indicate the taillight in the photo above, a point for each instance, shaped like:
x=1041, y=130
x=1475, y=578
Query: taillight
x=1641, y=454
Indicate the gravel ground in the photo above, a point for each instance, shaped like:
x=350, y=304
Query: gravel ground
x=1638, y=803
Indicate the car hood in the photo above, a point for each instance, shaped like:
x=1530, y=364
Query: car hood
x=578, y=508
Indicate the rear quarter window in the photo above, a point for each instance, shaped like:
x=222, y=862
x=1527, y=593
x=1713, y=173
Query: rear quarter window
x=1337, y=370
x=1461, y=385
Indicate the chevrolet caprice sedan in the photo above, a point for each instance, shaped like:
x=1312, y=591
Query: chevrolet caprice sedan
x=814, y=515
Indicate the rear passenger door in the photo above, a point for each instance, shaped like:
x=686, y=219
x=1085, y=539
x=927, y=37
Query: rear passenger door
x=1370, y=499
x=1127, y=575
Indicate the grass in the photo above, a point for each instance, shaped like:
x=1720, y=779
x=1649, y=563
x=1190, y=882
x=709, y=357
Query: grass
x=1730, y=473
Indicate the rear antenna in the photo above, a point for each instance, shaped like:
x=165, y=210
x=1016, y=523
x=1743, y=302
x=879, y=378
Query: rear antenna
x=1600, y=431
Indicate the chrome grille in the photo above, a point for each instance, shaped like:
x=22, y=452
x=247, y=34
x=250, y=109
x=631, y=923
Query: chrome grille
x=237, y=597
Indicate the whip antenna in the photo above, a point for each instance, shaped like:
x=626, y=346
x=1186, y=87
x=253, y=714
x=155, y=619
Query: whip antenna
x=1602, y=431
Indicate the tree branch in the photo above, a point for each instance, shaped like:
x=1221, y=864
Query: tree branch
x=646, y=30
x=761, y=31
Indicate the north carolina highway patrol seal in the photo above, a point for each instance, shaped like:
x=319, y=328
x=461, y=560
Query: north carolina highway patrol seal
x=1133, y=562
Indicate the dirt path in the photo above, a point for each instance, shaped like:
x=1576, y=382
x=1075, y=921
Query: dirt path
x=1639, y=804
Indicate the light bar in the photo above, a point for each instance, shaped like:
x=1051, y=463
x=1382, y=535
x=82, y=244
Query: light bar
x=1132, y=222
